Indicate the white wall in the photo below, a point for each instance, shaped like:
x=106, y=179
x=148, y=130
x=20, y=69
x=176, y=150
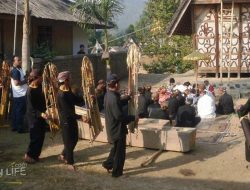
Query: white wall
x=79, y=37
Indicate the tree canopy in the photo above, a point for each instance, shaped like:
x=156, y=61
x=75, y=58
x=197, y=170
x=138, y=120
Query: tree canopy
x=155, y=42
x=103, y=10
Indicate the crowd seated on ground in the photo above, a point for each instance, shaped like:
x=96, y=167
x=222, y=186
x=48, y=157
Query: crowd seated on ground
x=243, y=110
x=184, y=105
x=225, y=105
x=186, y=115
x=209, y=87
x=206, y=103
x=100, y=93
x=143, y=103
x=155, y=110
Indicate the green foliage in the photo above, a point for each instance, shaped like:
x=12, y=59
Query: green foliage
x=118, y=39
x=154, y=40
x=104, y=11
x=43, y=51
x=130, y=31
x=95, y=35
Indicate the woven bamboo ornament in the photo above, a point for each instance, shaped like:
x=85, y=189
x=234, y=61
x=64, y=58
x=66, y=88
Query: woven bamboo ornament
x=50, y=89
x=133, y=63
x=88, y=86
x=5, y=84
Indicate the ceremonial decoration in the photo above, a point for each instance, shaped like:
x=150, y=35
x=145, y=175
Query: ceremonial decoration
x=196, y=56
x=50, y=89
x=4, y=87
x=133, y=63
x=88, y=86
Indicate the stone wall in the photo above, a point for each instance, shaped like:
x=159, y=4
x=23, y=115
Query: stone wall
x=73, y=64
x=118, y=64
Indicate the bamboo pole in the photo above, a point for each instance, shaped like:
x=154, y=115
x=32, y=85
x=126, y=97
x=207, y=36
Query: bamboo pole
x=152, y=158
x=231, y=38
x=221, y=49
x=26, y=37
x=15, y=29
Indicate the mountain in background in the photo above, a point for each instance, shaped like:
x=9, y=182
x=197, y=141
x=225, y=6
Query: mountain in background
x=132, y=12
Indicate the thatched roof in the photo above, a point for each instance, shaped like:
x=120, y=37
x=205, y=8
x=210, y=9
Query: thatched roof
x=171, y=28
x=45, y=9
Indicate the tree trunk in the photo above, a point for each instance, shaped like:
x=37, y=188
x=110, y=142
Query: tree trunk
x=106, y=40
x=26, y=40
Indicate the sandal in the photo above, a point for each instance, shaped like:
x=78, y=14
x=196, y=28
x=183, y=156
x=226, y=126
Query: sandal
x=62, y=159
x=72, y=167
x=28, y=159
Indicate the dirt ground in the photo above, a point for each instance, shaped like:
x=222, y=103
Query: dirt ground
x=219, y=166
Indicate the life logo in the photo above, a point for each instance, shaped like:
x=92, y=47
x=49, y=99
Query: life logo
x=15, y=169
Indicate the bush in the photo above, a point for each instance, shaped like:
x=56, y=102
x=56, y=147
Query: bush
x=159, y=66
x=168, y=64
x=43, y=51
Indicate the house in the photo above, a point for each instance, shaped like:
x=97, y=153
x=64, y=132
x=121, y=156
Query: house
x=51, y=22
x=211, y=33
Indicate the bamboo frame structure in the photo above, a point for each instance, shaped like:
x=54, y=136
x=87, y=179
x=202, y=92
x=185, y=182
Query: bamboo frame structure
x=5, y=83
x=133, y=63
x=89, y=94
x=50, y=89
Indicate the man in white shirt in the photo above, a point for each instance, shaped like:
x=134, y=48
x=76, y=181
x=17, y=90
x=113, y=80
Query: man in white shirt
x=19, y=87
x=206, y=104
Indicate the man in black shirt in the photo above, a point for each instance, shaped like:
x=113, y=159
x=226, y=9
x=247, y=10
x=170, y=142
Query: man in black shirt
x=81, y=51
x=66, y=101
x=142, y=103
x=186, y=115
x=155, y=110
x=36, y=116
x=116, y=122
x=100, y=93
x=225, y=105
x=244, y=109
x=173, y=105
x=148, y=94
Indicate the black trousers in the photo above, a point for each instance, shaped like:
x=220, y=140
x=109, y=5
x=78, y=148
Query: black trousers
x=70, y=138
x=37, y=135
x=116, y=158
x=18, y=112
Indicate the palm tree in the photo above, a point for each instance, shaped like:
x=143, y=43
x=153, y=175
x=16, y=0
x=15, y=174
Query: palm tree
x=26, y=41
x=104, y=11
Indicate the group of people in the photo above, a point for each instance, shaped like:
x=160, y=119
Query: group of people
x=28, y=101
x=183, y=104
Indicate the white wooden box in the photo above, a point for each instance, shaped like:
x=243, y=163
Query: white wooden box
x=151, y=133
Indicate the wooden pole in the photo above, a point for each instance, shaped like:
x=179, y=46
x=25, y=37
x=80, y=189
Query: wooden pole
x=231, y=38
x=150, y=159
x=217, y=36
x=15, y=28
x=26, y=40
x=221, y=49
x=196, y=77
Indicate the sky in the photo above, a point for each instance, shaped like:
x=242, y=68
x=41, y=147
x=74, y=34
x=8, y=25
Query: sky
x=132, y=12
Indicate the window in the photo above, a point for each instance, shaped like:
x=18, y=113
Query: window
x=44, y=36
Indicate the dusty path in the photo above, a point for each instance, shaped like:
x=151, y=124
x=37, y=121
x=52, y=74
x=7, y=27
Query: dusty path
x=219, y=166
x=209, y=167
